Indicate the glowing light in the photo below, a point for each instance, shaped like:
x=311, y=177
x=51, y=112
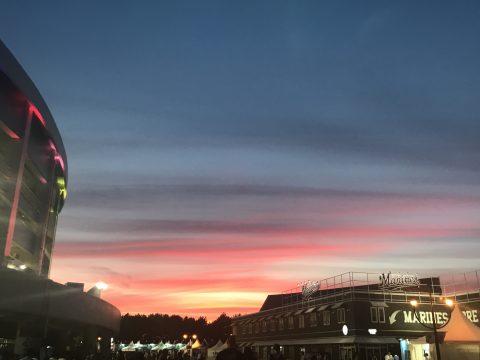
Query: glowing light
x=39, y=116
x=9, y=132
x=194, y=336
x=372, y=331
x=62, y=189
x=449, y=302
x=59, y=159
x=101, y=285
x=414, y=303
x=345, y=330
x=185, y=336
x=22, y=267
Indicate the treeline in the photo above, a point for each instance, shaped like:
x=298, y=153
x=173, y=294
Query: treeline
x=154, y=328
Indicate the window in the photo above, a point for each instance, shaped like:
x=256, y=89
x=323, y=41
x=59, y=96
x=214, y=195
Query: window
x=272, y=325
x=290, y=322
x=374, y=314
x=264, y=326
x=326, y=317
x=301, y=321
x=377, y=314
x=341, y=316
x=313, y=319
x=281, y=325
x=381, y=315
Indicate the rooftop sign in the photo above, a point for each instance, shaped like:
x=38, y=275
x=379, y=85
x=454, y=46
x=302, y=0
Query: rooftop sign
x=309, y=288
x=398, y=281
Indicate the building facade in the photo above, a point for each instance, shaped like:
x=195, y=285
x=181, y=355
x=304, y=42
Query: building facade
x=35, y=311
x=33, y=176
x=355, y=316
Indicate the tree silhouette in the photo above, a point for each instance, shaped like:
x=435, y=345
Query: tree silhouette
x=154, y=328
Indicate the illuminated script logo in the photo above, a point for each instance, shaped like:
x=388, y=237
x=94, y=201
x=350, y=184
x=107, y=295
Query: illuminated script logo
x=309, y=288
x=398, y=281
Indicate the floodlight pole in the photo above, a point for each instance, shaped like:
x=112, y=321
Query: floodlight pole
x=435, y=333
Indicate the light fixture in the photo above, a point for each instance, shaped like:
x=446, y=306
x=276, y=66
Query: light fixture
x=449, y=302
x=101, y=285
x=22, y=267
x=345, y=330
x=372, y=331
x=414, y=303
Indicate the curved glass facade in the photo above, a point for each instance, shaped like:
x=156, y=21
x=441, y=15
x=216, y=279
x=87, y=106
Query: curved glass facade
x=32, y=182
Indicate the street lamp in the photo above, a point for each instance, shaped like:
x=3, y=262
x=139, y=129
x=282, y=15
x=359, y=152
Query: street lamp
x=448, y=302
x=97, y=289
x=190, y=344
x=101, y=285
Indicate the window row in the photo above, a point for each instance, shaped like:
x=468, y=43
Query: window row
x=304, y=320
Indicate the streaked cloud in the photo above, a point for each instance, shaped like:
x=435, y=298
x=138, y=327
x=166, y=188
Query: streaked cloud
x=209, y=168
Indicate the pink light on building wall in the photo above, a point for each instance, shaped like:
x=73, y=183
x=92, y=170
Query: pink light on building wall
x=8, y=131
x=35, y=111
x=58, y=158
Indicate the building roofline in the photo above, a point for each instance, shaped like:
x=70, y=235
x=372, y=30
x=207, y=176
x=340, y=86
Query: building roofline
x=15, y=72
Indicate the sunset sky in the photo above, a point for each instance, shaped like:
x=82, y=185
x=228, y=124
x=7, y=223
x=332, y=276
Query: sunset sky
x=220, y=151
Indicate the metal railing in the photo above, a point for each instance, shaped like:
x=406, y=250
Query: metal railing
x=365, y=286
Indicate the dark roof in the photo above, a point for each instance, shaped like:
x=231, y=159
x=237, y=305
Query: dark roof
x=272, y=302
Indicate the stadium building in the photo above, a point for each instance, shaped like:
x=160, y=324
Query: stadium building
x=35, y=311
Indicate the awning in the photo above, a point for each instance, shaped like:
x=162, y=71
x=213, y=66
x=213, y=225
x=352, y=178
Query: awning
x=337, y=305
x=379, y=303
x=323, y=307
x=310, y=310
x=331, y=340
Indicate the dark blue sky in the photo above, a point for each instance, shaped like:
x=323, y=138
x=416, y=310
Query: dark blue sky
x=307, y=137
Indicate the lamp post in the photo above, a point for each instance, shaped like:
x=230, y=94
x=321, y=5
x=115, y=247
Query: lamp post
x=434, y=328
x=97, y=289
x=189, y=344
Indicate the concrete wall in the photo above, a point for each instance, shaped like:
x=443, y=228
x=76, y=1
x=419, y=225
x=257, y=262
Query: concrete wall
x=30, y=295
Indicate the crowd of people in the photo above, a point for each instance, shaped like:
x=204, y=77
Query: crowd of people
x=232, y=352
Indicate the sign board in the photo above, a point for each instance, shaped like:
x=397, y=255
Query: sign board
x=397, y=281
x=309, y=288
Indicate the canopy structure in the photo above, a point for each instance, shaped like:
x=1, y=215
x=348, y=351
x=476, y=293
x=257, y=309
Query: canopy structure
x=219, y=344
x=197, y=345
x=129, y=347
x=158, y=347
x=180, y=346
x=215, y=349
x=460, y=329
